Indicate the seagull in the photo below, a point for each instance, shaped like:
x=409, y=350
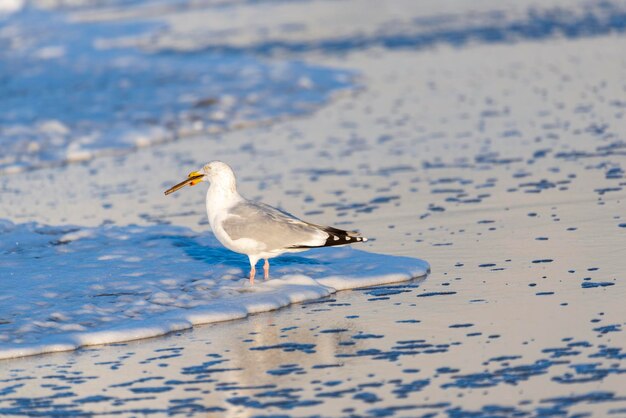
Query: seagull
x=255, y=229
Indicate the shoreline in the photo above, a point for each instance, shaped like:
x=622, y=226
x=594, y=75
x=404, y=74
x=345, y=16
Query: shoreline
x=499, y=164
x=178, y=323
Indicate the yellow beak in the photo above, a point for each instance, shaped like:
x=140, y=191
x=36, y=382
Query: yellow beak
x=192, y=179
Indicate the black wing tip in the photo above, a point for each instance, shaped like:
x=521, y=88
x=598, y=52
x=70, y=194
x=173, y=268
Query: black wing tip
x=336, y=237
x=341, y=237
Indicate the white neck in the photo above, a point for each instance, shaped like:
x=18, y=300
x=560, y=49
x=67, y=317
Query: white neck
x=219, y=197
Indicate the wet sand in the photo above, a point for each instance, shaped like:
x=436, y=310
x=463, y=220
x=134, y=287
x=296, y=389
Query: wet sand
x=500, y=164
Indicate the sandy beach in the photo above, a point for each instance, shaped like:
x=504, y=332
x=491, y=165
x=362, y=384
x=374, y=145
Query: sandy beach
x=484, y=138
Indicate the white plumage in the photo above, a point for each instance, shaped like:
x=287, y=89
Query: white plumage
x=256, y=229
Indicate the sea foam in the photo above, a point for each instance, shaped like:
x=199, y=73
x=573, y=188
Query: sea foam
x=67, y=287
x=124, y=97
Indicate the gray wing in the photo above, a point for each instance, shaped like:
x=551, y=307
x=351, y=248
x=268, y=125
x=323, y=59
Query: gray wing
x=270, y=226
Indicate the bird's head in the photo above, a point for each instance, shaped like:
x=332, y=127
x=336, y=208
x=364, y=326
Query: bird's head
x=215, y=172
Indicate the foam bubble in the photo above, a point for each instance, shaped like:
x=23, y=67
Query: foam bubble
x=72, y=287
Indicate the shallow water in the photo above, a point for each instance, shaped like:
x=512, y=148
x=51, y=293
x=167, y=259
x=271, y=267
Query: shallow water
x=71, y=287
x=76, y=90
x=373, y=352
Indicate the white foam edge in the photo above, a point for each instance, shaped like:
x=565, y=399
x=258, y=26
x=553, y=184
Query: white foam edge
x=289, y=290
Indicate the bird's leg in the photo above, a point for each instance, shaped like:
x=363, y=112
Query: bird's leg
x=253, y=261
x=252, y=273
x=266, y=269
